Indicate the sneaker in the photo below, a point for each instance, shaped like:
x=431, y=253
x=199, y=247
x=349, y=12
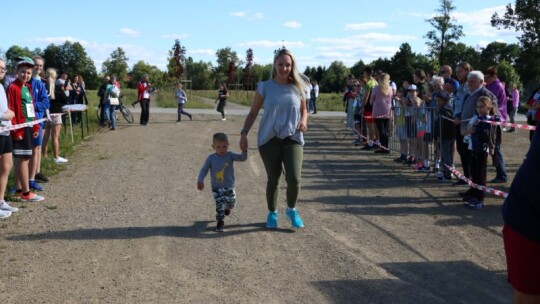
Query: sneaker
x=6, y=207
x=293, y=215
x=223, y=119
x=476, y=204
x=228, y=211
x=14, y=190
x=40, y=178
x=35, y=186
x=61, y=160
x=357, y=142
x=271, y=220
x=31, y=197
x=178, y=121
x=424, y=169
x=220, y=226
x=366, y=147
x=190, y=117
x=497, y=180
x=5, y=214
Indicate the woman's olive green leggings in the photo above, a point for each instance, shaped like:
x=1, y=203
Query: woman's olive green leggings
x=277, y=155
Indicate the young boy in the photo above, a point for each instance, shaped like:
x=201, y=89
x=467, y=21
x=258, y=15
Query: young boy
x=221, y=169
x=445, y=134
x=20, y=102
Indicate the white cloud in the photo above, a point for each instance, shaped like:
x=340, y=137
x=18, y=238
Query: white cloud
x=478, y=23
x=202, y=52
x=238, y=14
x=248, y=15
x=365, y=26
x=128, y=32
x=173, y=36
x=359, y=40
x=292, y=24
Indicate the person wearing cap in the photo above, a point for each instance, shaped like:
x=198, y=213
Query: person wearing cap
x=21, y=103
x=42, y=104
x=6, y=147
x=144, y=89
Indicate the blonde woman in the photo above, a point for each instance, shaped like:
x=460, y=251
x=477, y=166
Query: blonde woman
x=281, y=132
x=58, y=99
x=381, y=99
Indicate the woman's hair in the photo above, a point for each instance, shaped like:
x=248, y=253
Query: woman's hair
x=384, y=83
x=437, y=80
x=295, y=77
x=491, y=71
x=51, y=78
x=488, y=103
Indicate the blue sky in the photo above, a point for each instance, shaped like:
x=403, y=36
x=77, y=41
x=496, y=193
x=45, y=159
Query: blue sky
x=317, y=32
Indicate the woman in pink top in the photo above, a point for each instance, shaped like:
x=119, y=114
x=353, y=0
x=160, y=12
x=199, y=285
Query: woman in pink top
x=381, y=99
x=513, y=105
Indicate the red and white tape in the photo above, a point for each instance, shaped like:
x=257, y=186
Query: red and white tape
x=374, y=142
x=479, y=187
x=27, y=124
x=512, y=125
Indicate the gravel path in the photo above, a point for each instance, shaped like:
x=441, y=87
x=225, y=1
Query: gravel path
x=124, y=223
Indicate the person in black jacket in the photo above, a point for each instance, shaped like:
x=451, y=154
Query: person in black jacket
x=445, y=133
x=101, y=94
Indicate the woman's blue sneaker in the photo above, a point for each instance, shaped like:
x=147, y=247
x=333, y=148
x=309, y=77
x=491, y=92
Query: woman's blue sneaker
x=296, y=221
x=271, y=220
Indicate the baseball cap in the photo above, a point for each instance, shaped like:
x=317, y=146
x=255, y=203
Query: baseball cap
x=25, y=61
x=412, y=87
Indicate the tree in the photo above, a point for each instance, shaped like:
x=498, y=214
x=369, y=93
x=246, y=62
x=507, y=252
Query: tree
x=334, y=78
x=200, y=73
x=508, y=74
x=358, y=68
x=177, y=60
x=403, y=63
x=116, y=64
x=153, y=72
x=72, y=58
x=248, y=70
x=458, y=52
x=523, y=17
x=496, y=52
x=445, y=31
x=224, y=58
x=14, y=52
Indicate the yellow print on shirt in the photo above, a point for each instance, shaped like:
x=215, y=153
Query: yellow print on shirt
x=220, y=175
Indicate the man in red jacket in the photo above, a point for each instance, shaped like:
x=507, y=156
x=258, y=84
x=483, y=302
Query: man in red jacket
x=21, y=103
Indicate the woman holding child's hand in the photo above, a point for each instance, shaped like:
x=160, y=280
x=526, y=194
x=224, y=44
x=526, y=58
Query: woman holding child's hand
x=280, y=138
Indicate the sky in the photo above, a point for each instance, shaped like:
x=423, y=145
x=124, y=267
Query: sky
x=317, y=32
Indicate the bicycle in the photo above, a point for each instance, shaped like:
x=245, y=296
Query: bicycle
x=126, y=113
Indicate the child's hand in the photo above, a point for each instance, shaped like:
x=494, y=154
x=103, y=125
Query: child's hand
x=200, y=186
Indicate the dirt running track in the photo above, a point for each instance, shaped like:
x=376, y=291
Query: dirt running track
x=124, y=223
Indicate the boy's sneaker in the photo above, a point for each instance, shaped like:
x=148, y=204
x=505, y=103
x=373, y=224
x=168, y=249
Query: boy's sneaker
x=35, y=186
x=460, y=182
x=14, y=190
x=6, y=207
x=220, y=226
x=424, y=169
x=271, y=220
x=5, y=214
x=476, y=204
x=293, y=215
x=40, y=178
x=61, y=160
x=31, y=197
x=357, y=142
x=228, y=211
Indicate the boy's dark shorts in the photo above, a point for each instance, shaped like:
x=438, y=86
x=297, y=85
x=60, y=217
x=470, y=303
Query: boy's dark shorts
x=23, y=148
x=6, y=144
x=522, y=261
